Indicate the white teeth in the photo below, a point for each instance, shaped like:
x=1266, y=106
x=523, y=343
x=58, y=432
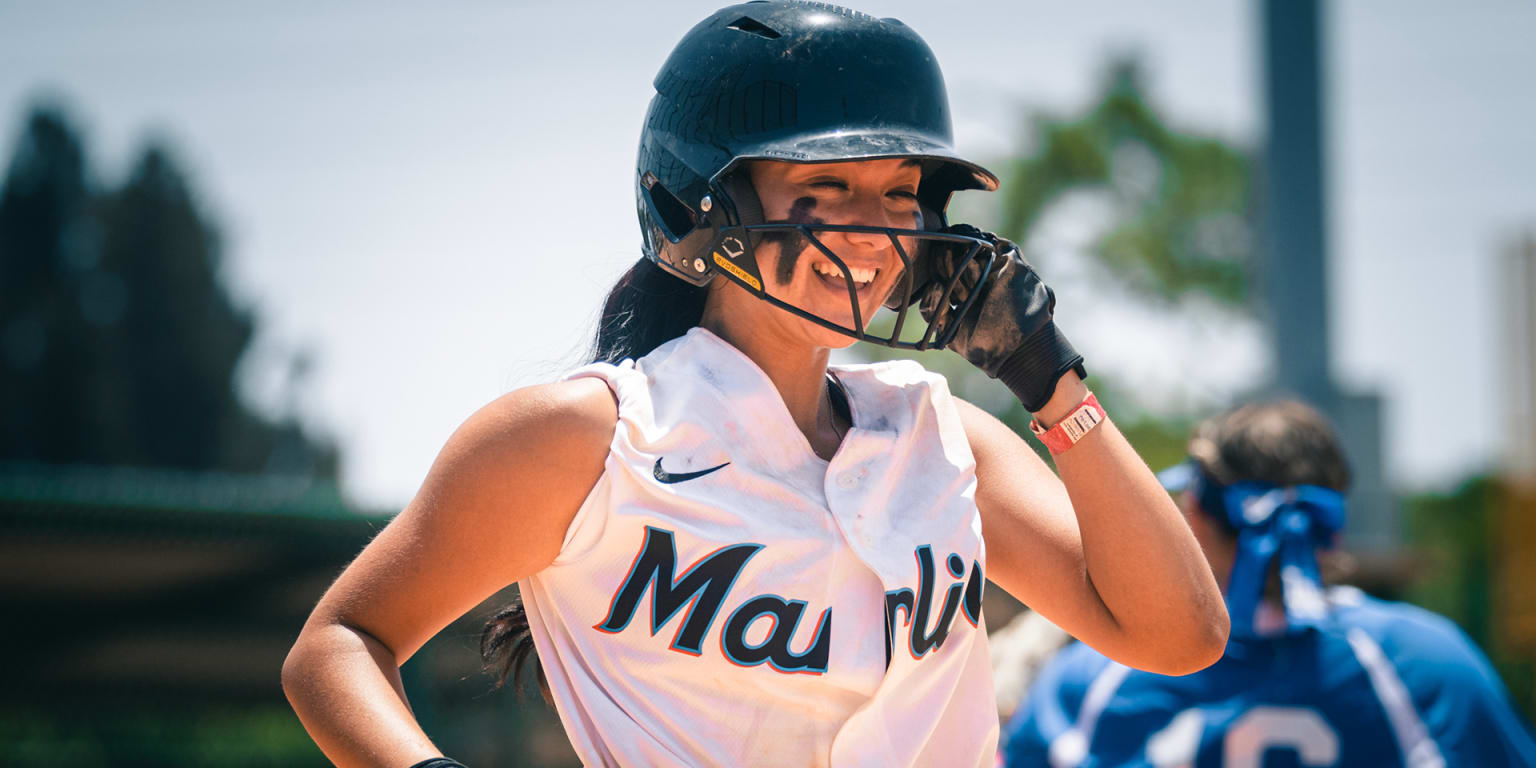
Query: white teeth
x=860, y=275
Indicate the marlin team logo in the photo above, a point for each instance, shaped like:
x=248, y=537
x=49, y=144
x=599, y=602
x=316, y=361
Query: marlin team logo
x=917, y=610
x=703, y=587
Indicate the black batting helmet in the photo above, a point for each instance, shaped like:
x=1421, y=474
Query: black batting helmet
x=802, y=82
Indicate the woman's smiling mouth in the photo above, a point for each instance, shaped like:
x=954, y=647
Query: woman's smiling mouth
x=863, y=277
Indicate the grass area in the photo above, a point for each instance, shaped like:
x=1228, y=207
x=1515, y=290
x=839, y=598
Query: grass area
x=265, y=735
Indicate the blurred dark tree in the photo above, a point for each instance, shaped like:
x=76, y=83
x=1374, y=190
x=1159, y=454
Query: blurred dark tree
x=118, y=343
x=1181, y=202
x=44, y=214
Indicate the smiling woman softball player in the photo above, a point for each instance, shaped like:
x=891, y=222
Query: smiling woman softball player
x=728, y=552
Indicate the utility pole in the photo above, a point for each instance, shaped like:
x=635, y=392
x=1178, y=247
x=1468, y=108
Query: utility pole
x=1295, y=263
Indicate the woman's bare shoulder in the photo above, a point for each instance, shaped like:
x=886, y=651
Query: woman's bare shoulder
x=558, y=431
x=537, y=450
x=518, y=469
x=573, y=410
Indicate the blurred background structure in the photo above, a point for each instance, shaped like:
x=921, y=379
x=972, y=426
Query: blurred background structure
x=257, y=263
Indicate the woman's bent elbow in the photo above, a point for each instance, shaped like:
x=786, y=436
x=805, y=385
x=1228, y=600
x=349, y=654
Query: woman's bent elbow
x=1206, y=645
x=297, y=672
x=290, y=673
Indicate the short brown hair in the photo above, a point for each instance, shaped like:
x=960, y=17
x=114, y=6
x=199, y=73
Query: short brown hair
x=1283, y=442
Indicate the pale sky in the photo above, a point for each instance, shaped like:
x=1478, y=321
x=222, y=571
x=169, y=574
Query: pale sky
x=433, y=199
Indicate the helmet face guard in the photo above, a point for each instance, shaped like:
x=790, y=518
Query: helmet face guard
x=806, y=83
x=942, y=300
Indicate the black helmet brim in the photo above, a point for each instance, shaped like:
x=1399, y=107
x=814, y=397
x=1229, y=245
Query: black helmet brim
x=854, y=145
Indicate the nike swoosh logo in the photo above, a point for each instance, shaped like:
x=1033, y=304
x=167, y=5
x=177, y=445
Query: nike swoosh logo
x=670, y=477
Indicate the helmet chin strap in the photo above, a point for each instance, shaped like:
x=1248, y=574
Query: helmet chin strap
x=742, y=203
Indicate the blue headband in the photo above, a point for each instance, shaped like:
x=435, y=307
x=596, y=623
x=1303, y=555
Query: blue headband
x=1289, y=522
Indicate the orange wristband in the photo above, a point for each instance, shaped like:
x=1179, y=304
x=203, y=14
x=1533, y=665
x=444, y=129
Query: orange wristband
x=1068, y=431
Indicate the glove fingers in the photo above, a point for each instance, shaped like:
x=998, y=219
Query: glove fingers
x=970, y=260
x=941, y=261
x=946, y=292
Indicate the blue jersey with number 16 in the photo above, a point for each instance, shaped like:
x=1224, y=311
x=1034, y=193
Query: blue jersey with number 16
x=1375, y=684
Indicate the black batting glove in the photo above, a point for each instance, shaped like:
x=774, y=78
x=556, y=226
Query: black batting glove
x=1008, y=332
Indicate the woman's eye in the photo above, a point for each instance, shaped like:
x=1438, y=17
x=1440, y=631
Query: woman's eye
x=903, y=193
x=830, y=184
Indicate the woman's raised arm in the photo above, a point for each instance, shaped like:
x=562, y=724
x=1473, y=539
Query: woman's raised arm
x=1103, y=551
x=493, y=509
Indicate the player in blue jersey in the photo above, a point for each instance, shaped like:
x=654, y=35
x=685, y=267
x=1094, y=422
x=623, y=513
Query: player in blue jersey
x=1311, y=676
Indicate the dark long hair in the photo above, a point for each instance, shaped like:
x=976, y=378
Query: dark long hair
x=646, y=308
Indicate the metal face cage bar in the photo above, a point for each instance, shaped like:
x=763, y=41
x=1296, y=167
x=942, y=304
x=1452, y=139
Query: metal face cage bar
x=980, y=258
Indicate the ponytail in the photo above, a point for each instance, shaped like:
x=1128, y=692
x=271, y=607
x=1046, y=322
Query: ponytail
x=646, y=308
x=506, y=643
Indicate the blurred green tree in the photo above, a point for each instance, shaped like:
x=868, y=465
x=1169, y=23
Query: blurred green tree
x=1180, y=202
x=118, y=343
x=1463, y=548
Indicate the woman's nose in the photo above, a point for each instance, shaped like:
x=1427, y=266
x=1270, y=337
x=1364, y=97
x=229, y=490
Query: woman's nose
x=867, y=210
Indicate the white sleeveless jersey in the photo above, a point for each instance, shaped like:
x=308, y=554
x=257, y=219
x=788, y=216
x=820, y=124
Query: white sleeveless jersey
x=726, y=597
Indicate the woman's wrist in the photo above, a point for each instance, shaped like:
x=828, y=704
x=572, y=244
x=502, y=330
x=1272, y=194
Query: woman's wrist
x=1070, y=393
